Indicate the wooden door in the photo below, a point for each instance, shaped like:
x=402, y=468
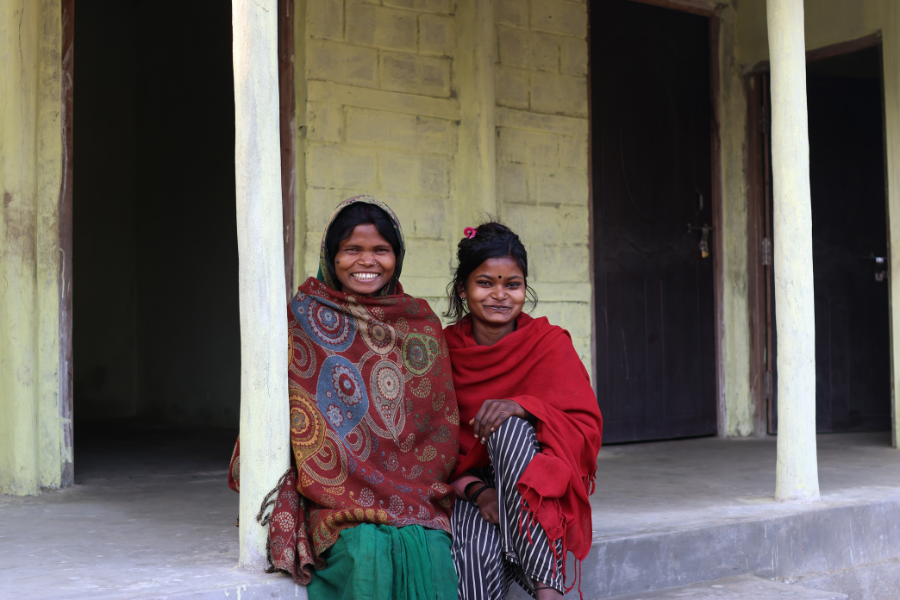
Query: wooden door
x=651, y=152
x=847, y=181
x=849, y=216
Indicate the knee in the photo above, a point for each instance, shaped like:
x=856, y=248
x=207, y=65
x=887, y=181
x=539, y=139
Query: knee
x=514, y=429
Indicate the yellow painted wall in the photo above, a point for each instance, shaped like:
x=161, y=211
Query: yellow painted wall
x=32, y=452
x=830, y=22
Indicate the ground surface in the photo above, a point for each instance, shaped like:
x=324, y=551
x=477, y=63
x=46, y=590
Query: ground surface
x=151, y=515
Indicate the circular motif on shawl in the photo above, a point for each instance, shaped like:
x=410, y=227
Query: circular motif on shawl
x=379, y=337
x=339, y=388
x=346, y=385
x=388, y=381
x=301, y=356
x=334, y=415
x=307, y=425
x=325, y=323
x=416, y=354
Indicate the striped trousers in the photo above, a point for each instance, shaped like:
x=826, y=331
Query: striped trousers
x=488, y=557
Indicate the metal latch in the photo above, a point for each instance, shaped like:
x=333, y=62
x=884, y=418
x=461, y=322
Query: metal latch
x=766, y=252
x=704, y=237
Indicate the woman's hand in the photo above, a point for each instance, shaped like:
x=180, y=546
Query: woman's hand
x=488, y=507
x=492, y=414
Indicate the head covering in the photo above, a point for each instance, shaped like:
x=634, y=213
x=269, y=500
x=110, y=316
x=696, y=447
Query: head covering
x=324, y=275
x=374, y=421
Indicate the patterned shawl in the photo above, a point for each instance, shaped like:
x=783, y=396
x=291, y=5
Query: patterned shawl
x=374, y=421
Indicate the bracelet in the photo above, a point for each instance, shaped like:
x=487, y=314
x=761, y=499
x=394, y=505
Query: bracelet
x=476, y=494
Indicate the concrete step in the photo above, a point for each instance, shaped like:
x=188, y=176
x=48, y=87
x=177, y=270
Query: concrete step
x=736, y=588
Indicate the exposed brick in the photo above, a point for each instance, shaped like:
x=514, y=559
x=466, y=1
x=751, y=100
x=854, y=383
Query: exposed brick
x=320, y=203
x=436, y=35
x=513, y=183
x=573, y=152
x=434, y=176
x=325, y=19
x=559, y=16
x=534, y=224
x=559, y=94
x=573, y=56
x=428, y=218
x=435, y=135
x=432, y=6
x=512, y=87
x=559, y=264
x=544, y=52
x=370, y=25
x=415, y=74
x=513, y=47
x=399, y=172
x=511, y=12
x=527, y=147
x=424, y=257
x=325, y=122
x=342, y=63
x=561, y=186
x=574, y=316
x=340, y=166
x=381, y=128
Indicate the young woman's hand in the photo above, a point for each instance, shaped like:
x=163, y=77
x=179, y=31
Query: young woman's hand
x=492, y=414
x=488, y=507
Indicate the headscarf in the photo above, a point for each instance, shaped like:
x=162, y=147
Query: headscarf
x=325, y=259
x=374, y=421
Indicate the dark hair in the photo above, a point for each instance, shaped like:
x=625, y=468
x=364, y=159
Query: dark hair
x=491, y=240
x=359, y=213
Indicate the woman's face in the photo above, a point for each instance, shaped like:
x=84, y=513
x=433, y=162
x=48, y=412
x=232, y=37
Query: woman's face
x=495, y=291
x=365, y=261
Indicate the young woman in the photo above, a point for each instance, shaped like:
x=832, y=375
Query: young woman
x=530, y=428
x=374, y=425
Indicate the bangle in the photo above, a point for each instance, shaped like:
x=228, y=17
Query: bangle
x=476, y=494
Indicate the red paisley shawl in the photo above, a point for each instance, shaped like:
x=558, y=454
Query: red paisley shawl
x=537, y=367
x=374, y=422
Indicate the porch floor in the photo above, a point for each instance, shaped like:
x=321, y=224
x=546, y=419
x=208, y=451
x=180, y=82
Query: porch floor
x=150, y=516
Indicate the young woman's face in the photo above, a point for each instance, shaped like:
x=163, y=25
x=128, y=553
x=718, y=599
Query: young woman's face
x=495, y=291
x=365, y=261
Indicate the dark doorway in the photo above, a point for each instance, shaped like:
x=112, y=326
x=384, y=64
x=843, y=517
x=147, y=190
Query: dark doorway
x=156, y=329
x=652, y=188
x=849, y=222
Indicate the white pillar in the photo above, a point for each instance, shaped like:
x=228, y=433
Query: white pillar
x=265, y=436
x=796, y=472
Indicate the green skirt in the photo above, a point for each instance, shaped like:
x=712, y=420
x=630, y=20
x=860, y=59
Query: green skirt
x=380, y=561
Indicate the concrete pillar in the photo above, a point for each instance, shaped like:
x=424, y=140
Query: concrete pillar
x=476, y=161
x=796, y=472
x=265, y=434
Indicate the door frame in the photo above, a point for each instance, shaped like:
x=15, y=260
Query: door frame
x=65, y=277
x=758, y=184
x=695, y=7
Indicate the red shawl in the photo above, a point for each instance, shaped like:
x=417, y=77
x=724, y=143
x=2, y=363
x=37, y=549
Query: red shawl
x=537, y=367
x=374, y=423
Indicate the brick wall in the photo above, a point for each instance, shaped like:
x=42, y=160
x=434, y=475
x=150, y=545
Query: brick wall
x=542, y=152
x=382, y=117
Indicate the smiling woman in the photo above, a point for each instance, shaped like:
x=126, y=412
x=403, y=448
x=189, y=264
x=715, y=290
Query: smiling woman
x=364, y=512
x=529, y=428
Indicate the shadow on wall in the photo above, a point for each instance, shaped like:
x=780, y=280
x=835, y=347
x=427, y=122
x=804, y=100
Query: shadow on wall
x=156, y=330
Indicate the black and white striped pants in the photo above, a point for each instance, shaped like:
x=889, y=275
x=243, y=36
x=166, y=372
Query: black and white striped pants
x=489, y=558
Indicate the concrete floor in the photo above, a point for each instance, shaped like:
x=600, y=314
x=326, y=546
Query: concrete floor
x=151, y=515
